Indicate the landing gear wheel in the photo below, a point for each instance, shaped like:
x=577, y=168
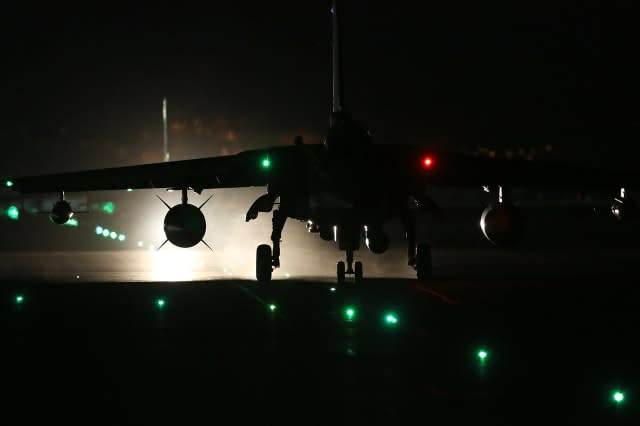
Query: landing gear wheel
x=340, y=272
x=358, y=271
x=263, y=263
x=423, y=261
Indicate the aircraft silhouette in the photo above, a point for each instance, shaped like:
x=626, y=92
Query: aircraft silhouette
x=345, y=189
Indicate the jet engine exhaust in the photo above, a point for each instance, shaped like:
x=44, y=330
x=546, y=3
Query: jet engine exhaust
x=502, y=224
x=184, y=225
x=61, y=212
x=376, y=240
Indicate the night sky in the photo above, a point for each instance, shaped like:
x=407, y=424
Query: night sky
x=83, y=86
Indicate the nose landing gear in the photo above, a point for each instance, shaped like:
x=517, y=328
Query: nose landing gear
x=351, y=269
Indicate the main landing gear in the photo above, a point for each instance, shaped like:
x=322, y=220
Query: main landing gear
x=350, y=269
x=423, y=264
x=419, y=255
x=266, y=259
x=264, y=266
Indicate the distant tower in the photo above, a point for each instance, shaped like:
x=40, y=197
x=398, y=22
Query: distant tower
x=164, y=126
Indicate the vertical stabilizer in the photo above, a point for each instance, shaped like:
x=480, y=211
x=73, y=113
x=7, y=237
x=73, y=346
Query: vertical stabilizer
x=336, y=65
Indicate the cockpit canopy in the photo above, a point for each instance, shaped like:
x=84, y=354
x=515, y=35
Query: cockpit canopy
x=346, y=134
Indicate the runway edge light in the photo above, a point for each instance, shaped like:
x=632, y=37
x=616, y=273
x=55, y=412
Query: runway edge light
x=482, y=355
x=13, y=212
x=73, y=222
x=350, y=313
x=390, y=318
x=617, y=396
x=265, y=163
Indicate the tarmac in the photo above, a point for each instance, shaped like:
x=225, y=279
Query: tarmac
x=513, y=344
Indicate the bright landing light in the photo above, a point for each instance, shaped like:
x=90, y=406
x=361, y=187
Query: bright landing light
x=169, y=264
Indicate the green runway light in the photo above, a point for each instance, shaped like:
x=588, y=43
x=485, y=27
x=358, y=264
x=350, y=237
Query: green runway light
x=140, y=244
x=108, y=207
x=122, y=237
x=482, y=355
x=8, y=184
x=13, y=213
x=99, y=230
x=332, y=289
x=19, y=299
x=272, y=307
x=266, y=163
x=113, y=235
x=390, y=318
x=350, y=313
x=160, y=303
x=73, y=222
x=105, y=232
x=617, y=397
x=129, y=189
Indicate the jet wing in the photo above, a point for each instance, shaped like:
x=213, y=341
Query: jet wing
x=451, y=169
x=402, y=164
x=248, y=168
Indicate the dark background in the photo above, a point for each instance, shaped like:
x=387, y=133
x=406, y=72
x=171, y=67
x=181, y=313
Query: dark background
x=83, y=84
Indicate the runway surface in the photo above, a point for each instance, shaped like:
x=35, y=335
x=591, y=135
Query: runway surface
x=389, y=351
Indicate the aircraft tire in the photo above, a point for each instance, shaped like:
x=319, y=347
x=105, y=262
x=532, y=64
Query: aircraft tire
x=424, y=266
x=358, y=271
x=340, y=271
x=263, y=263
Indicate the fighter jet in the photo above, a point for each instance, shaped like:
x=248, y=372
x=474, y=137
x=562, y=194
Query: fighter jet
x=344, y=189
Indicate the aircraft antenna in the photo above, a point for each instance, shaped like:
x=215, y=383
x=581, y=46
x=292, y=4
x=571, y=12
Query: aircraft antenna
x=165, y=138
x=336, y=71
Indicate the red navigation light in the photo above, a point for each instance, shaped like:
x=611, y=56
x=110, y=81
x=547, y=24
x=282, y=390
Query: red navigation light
x=427, y=162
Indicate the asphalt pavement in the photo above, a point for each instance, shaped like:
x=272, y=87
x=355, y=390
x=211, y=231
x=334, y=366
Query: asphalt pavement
x=456, y=350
